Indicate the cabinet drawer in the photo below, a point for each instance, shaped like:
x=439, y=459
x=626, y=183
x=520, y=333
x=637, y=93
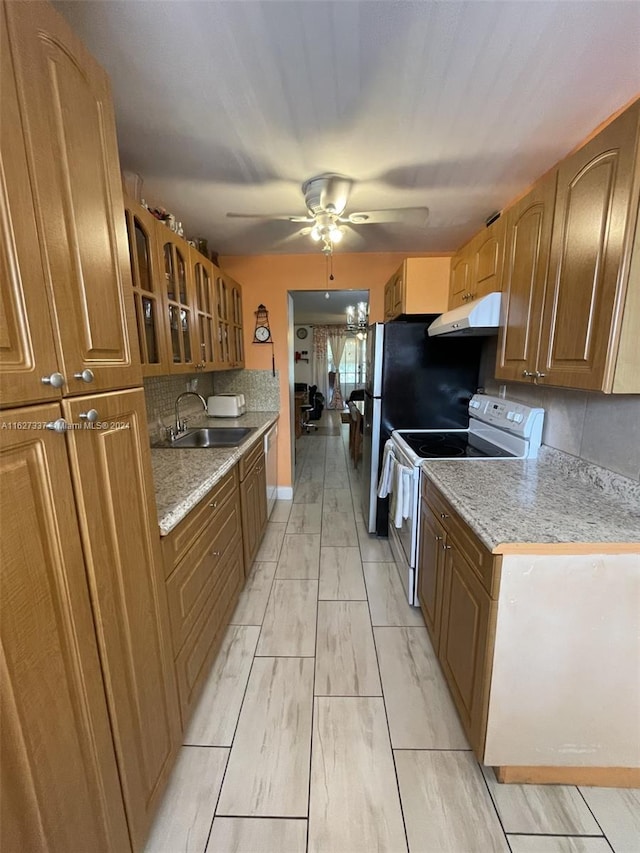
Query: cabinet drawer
x=484, y=563
x=200, y=648
x=199, y=573
x=176, y=544
x=251, y=457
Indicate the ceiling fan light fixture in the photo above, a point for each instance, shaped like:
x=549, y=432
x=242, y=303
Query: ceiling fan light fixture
x=335, y=234
x=315, y=233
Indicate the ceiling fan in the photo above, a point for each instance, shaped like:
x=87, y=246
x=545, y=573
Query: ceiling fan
x=326, y=198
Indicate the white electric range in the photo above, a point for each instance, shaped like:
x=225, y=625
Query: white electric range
x=499, y=429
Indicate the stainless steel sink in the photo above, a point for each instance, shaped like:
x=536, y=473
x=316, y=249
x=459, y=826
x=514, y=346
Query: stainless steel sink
x=212, y=437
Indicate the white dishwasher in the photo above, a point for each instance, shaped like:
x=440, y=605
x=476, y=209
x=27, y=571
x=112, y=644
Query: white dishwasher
x=271, y=466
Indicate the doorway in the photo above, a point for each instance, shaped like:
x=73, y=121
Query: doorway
x=316, y=319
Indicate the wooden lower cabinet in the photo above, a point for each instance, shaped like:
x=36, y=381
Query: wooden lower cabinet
x=253, y=495
x=111, y=471
x=205, y=574
x=431, y=574
x=466, y=643
x=60, y=789
x=458, y=582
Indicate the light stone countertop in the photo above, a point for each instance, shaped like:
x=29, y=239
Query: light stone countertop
x=183, y=477
x=556, y=498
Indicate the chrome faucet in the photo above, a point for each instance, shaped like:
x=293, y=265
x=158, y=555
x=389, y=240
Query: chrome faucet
x=181, y=426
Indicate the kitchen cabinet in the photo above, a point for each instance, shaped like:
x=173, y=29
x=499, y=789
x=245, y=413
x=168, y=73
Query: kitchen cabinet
x=115, y=498
x=64, y=208
x=179, y=301
x=91, y=698
x=528, y=243
x=204, y=310
x=235, y=313
x=571, y=313
x=458, y=583
x=60, y=785
x=205, y=574
x=253, y=495
x=142, y=229
x=431, y=571
x=419, y=286
x=228, y=302
x=476, y=269
x=590, y=326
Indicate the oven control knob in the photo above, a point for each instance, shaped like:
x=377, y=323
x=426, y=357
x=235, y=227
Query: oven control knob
x=518, y=418
x=511, y=416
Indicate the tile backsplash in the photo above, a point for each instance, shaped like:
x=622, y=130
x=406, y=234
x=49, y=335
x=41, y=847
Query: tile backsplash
x=601, y=428
x=160, y=394
x=261, y=390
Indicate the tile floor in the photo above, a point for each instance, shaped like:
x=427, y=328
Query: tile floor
x=326, y=725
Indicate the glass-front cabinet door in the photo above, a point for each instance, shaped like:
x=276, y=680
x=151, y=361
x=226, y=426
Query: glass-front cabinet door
x=235, y=306
x=222, y=318
x=179, y=302
x=205, y=319
x=141, y=234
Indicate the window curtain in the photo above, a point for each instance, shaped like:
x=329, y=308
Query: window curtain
x=337, y=340
x=320, y=362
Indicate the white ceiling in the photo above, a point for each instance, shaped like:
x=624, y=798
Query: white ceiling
x=312, y=306
x=457, y=106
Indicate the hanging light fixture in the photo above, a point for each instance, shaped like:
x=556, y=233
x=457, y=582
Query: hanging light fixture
x=357, y=317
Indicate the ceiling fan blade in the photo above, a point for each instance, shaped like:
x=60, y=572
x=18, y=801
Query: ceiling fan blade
x=415, y=216
x=282, y=216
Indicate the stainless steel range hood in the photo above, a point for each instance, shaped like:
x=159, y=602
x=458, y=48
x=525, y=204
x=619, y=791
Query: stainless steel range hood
x=480, y=317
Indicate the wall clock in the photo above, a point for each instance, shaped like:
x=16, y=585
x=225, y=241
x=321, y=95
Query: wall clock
x=302, y=333
x=262, y=332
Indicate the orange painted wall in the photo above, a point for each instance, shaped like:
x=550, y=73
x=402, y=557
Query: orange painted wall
x=267, y=279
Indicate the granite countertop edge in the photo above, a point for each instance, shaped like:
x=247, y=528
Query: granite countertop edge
x=183, y=477
x=600, y=511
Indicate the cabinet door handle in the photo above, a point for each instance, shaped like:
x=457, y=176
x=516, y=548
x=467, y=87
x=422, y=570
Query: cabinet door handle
x=539, y=375
x=438, y=538
x=215, y=553
x=528, y=373
x=56, y=380
x=443, y=515
x=91, y=416
x=446, y=547
x=213, y=504
x=85, y=375
x=59, y=425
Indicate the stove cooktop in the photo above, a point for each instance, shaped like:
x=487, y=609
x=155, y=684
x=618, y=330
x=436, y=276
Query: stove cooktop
x=452, y=445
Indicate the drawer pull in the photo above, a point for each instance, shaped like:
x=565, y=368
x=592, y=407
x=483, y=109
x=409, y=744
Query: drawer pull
x=215, y=553
x=446, y=547
x=443, y=515
x=438, y=538
x=213, y=504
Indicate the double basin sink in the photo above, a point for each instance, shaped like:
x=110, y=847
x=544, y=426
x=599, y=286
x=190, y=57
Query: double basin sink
x=211, y=437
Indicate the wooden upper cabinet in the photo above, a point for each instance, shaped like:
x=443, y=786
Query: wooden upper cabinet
x=111, y=471
x=147, y=289
x=204, y=311
x=60, y=789
x=528, y=241
x=179, y=301
x=460, y=279
x=476, y=268
x=420, y=286
x=488, y=259
x=234, y=294
x=69, y=134
x=588, y=283
x=27, y=348
x=221, y=290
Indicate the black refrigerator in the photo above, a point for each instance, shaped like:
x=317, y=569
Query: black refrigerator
x=412, y=382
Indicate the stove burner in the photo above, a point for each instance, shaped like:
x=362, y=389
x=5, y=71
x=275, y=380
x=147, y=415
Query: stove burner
x=441, y=449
